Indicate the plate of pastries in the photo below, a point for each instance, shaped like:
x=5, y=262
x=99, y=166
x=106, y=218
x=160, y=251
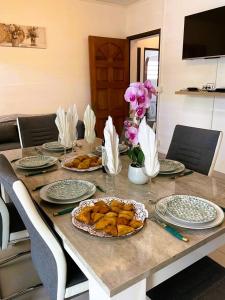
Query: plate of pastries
x=110, y=217
x=83, y=163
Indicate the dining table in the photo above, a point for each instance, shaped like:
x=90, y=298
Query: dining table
x=125, y=268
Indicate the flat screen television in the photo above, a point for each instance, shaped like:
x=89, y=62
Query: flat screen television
x=204, y=34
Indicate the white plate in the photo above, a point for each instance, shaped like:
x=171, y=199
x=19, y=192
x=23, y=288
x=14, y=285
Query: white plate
x=180, y=168
x=191, y=209
x=54, y=147
x=43, y=195
x=170, y=220
x=140, y=214
x=35, y=161
x=68, y=189
x=80, y=170
x=51, y=163
x=122, y=148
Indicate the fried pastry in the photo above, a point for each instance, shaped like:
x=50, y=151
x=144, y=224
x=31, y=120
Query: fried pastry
x=96, y=216
x=115, y=209
x=124, y=229
x=136, y=223
x=84, y=164
x=116, y=203
x=82, y=157
x=103, y=209
x=102, y=223
x=122, y=221
x=84, y=217
x=123, y=215
x=111, y=229
x=111, y=214
x=128, y=213
x=128, y=207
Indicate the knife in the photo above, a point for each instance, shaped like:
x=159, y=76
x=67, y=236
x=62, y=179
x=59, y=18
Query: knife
x=40, y=172
x=63, y=212
x=170, y=229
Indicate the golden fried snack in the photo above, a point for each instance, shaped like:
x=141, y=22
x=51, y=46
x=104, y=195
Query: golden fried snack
x=82, y=157
x=84, y=164
x=116, y=203
x=93, y=158
x=102, y=223
x=136, y=223
x=128, y=213
x=122, y=221
x=93, y=164
x=99, y=161
x=103, y=209
x=84, y=217
x=95, y=217
x=126, y=216
x=111, y=214
x=123, y=229
x=111, y=229
x=128, y=207
x=115, y=209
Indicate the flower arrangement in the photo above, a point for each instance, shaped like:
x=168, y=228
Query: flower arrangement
x=32, y=34
x=139, y=96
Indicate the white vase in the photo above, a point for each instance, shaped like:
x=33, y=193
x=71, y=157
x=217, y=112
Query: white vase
x=137, y=175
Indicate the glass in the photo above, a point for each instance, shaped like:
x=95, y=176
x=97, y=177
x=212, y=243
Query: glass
x=110, y=179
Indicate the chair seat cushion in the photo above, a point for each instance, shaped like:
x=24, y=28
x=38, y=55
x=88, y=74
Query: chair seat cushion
x=204, y=280
x=74, y=274
x=16, y=223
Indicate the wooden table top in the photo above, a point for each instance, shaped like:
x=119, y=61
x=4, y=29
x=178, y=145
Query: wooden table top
x=119, y=263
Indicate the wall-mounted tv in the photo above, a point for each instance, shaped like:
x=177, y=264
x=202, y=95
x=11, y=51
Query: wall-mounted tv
x=204, y=34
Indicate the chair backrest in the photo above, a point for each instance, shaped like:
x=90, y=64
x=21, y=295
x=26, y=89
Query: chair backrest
x=37, y=130
x=196, y=148
x=46, y=252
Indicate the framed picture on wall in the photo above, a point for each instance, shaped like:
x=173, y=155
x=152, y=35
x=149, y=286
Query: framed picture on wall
x=13, y=35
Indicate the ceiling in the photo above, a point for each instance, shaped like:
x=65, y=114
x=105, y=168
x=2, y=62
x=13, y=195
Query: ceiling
x=121, y=2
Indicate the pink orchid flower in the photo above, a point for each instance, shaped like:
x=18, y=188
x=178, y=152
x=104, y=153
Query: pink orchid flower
x=131, y=96
x=132, y=135
x=140, y=112
x=150, y=87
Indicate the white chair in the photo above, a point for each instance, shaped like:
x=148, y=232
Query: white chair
x=57, y=271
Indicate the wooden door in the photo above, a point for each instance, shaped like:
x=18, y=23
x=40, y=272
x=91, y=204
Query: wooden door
x=109, y=71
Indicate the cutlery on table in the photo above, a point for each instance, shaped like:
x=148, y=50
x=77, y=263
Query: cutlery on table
x=63, y=211
x=40, y=172
x=174, y=232
x=14, y=160
x=185, y=173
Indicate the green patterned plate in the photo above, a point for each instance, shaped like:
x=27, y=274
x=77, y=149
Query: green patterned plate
x=67, y=189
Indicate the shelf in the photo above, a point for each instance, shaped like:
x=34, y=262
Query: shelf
x=200, y=93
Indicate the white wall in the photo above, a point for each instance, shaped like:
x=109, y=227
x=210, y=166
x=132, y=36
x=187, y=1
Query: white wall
x=39, y=80
x=176, y=73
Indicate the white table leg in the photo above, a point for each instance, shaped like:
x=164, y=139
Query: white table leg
x=134, y=292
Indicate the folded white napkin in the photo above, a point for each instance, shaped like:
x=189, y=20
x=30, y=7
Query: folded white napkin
x=89, y=123
x=111, y=147
x=148, y=144
x=66, y=124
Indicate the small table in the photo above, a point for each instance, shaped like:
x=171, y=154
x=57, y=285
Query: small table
x=123, y=268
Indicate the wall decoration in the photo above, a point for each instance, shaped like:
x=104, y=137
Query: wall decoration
x=13, y=35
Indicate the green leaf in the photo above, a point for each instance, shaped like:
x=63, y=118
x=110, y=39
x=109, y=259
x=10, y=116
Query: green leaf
x=141, y=157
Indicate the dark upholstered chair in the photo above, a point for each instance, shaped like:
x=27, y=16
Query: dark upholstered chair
x=37, y=130
x=204, y=280
x=196, y=148
x=58, y=273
